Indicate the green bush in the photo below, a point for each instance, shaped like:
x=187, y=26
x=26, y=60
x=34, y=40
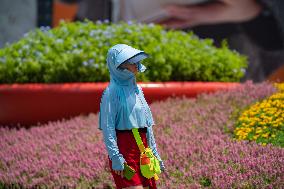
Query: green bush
x=76, y=52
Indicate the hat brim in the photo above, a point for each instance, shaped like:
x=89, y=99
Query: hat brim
x=137, y=58
x=130, y=54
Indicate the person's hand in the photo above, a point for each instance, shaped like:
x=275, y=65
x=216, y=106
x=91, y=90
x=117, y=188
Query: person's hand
x=222, y=11
x=119, y=173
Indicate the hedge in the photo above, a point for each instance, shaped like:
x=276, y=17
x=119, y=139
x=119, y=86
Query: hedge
x=76, y=52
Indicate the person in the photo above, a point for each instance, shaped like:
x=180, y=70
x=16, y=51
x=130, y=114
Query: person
x=222, y=11
x=252, y=27
x=122, y=108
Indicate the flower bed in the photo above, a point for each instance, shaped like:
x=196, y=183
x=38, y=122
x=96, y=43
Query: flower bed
x=76, y=52
x=194, y=138
x=264, y=121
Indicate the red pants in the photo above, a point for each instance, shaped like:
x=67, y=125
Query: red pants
x=130, y=151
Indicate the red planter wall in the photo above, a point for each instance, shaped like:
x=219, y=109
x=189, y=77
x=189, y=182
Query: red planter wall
x=28, y=104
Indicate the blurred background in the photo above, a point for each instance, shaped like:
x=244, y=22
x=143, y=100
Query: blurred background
x=252, y=27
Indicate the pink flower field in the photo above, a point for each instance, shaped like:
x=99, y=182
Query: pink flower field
x=194, y=138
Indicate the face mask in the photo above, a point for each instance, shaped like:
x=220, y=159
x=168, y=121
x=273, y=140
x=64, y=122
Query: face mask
x=122, y=68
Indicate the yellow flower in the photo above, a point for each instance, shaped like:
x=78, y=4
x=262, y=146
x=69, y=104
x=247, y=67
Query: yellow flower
x=268, y=113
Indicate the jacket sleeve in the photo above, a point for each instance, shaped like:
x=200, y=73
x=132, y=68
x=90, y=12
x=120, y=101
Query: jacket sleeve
x=107, y=117
x=153, y=146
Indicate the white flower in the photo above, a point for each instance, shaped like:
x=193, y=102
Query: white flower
x=129, y=22
x=3, y=59
x=77, y=51
x=98, y=22
x=151, y=25
x=91, y=61
x=47, y=49
x=59, y=40
x=243, y=70
x=85, y=63
x=128, y=30
x=92, y=33
x=26, y=47
x=38, y=54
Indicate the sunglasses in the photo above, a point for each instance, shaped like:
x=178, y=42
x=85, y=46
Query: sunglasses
x=124, y=65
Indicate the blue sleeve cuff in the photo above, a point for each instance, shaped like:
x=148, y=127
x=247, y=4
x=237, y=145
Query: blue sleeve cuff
x=117, y=162
x=162, y=166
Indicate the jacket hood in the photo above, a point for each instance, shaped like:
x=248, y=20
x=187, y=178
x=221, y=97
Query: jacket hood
x=122, y=53
x=123, y=104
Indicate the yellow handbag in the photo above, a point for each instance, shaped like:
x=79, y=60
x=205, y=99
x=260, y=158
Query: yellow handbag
x=149, y=164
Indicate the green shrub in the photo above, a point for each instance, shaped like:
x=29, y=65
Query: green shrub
x=76, y=52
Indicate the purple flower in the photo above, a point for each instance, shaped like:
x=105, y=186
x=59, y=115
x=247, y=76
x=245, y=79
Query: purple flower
x=191, y=138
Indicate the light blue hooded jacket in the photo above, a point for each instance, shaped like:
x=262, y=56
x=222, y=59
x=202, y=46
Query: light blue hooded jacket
x=123, y=105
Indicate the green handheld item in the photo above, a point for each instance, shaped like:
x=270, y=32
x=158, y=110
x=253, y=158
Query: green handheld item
x=128, y=172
